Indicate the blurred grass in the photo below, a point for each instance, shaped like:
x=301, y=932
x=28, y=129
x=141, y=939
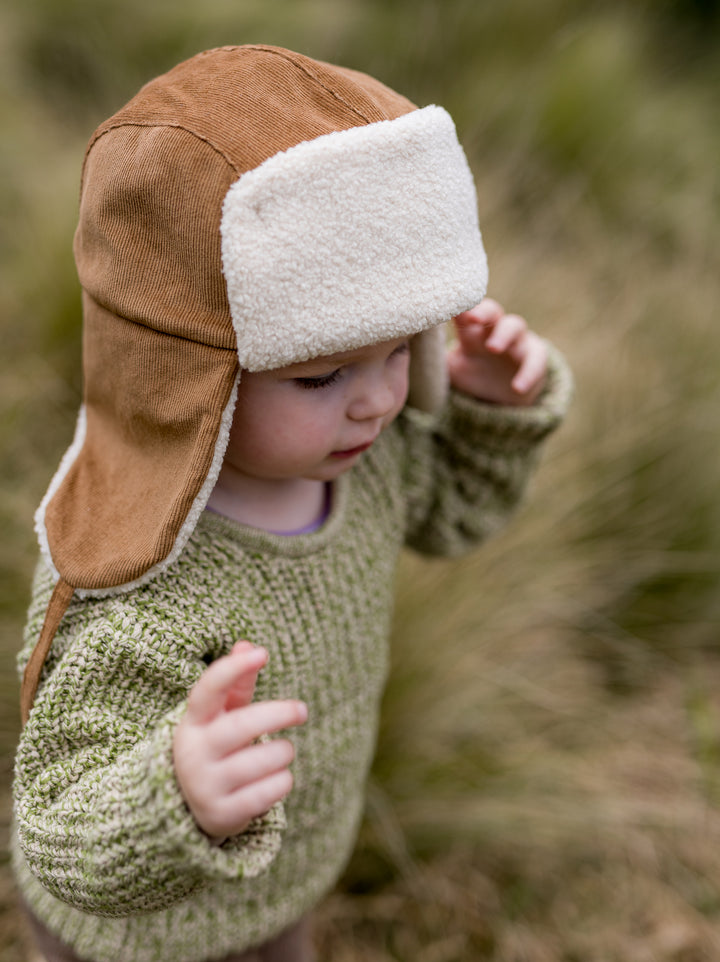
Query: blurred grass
x=547, y=781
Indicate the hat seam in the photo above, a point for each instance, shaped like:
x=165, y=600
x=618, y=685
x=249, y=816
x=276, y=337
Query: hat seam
x=285, y=55
x=157, y=124
x=110, y=308
x=302, y=67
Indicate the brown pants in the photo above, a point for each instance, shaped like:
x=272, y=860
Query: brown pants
x=292, y=945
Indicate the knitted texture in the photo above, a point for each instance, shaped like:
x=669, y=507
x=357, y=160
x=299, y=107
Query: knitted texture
x=107, y=854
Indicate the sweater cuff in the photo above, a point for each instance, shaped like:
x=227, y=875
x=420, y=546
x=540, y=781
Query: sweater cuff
x=241, y=856
x=508, y=422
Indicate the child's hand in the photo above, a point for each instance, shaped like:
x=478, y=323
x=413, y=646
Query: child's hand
x=496, y=357
x=226, y=778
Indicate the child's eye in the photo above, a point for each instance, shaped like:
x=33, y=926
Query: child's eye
x=401, y=349
x=322, y=380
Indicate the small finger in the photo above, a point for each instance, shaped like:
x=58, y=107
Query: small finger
x=257, y=798
x=506, y=333
x=233, y=813
x=488, y=311
x=242, y=645
x=251, y=764
x=208, y=696
x=530, y=376
x=240, y=728
x=486, y=314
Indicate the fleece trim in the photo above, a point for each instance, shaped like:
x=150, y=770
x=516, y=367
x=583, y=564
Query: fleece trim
x=185, y=531
x=68, y=459
x=355, y=237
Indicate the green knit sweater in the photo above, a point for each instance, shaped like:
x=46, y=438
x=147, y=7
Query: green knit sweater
x=107, y=854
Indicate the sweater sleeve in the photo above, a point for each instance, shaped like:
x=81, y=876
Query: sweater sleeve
x=466, y=472
x=100, y=817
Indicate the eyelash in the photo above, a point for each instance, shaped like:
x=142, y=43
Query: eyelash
x=325, y=380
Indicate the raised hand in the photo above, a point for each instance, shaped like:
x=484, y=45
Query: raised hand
x=496, y=357
x=226, y=777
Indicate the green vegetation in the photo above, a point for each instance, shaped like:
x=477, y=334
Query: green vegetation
x=548, y=776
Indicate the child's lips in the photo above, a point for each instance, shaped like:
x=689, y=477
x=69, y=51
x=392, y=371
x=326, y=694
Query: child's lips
x=351, y=452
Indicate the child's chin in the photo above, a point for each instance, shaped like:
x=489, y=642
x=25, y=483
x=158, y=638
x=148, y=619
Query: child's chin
x=332, y=468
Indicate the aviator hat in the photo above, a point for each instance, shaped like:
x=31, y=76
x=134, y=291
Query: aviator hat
x=246, y=210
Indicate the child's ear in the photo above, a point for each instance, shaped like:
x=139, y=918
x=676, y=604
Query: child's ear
x=428, y=369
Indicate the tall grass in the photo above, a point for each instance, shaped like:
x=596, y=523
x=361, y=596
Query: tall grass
x=547, y=781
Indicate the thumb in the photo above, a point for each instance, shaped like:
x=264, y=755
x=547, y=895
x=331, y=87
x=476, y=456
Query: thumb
x=242, y=691
x=228, y=683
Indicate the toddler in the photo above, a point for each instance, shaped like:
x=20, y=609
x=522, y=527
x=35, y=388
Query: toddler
x=268, y=247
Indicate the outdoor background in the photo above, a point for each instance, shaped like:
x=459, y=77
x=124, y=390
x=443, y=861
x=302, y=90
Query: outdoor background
x=547, y=786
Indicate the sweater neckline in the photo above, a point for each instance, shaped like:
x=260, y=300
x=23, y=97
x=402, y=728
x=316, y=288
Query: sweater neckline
x=293, y=545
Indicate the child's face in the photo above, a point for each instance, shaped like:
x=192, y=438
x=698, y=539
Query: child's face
x=313, y=419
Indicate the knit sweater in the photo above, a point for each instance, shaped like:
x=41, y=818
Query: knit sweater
x=106, y=852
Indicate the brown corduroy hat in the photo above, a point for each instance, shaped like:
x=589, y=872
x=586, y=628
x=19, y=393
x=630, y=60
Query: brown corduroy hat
x=246, y=210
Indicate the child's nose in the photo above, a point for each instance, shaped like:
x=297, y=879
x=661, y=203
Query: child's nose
x=373, y=399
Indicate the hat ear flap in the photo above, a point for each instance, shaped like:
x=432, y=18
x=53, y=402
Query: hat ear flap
x=428, y=370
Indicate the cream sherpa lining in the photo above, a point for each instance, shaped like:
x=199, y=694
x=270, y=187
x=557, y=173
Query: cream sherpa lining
x=188, y=525
x=355, y=237
x=68, y=459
